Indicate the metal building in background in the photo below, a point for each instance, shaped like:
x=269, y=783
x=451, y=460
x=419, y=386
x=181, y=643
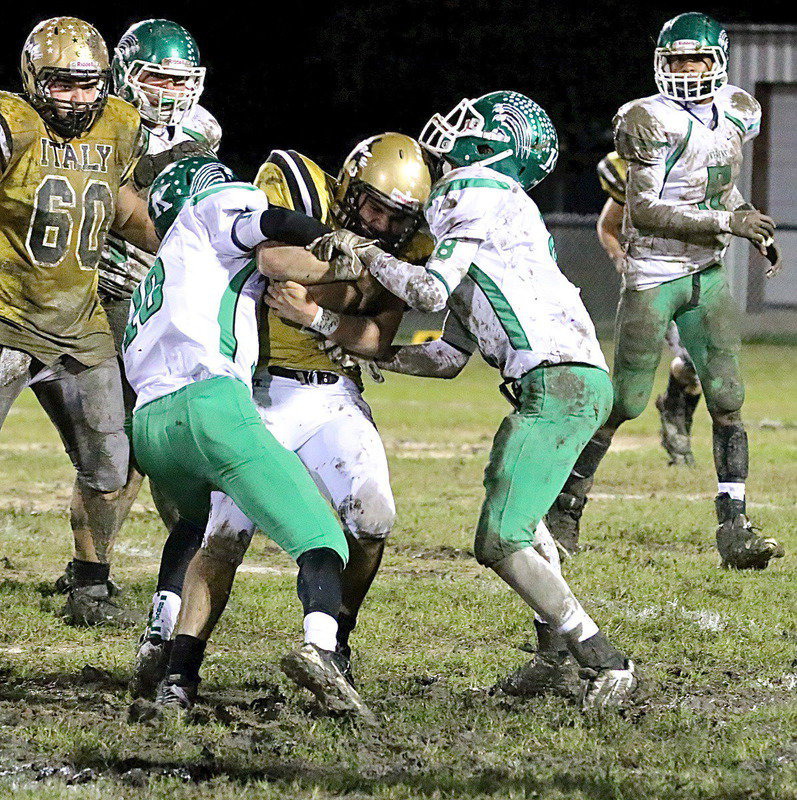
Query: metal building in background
x=763, y=61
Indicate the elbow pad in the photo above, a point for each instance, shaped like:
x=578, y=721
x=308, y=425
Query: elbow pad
x=276, y=224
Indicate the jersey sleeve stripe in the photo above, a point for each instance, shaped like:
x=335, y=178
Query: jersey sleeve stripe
x=301, y=196
x=6, y=144
x=676, y=154
x=309, y=183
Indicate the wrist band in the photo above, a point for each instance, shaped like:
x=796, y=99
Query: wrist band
x=325, y=322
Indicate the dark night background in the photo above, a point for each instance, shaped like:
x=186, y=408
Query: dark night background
x=289, y=75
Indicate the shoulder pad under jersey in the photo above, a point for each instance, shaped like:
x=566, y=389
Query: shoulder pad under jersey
x=641, y=130
x=200, y=122
x=741, y=109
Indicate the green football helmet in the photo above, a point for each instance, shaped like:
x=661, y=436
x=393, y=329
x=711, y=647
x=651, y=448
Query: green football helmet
x=691, y=34
x=506, y=131
x=158, y=50
x=180, y=181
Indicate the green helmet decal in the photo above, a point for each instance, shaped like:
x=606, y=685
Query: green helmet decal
x=505, y=130
x=180, y=181
x=691, y=34
x=156, y=67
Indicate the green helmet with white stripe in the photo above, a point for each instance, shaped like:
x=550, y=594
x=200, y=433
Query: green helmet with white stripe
x=180, y=181
x=156, y=67
x=506, y=131
x=697, y=35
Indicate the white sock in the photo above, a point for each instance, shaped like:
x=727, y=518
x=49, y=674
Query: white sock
x=735, y=490
x=321, y=630
x=165, y=608
x=579, y=617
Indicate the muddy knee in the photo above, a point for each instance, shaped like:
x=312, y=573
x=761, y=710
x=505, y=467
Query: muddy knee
x=229, y=533
x=369, y=513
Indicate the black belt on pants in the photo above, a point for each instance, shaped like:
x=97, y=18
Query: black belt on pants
x=305, y=376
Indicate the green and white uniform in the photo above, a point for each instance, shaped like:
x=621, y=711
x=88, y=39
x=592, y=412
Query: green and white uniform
x=190, y=348
x=494, y=269
x=683, y=161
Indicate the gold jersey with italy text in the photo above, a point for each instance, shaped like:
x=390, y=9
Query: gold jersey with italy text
x=57, y=201
x=293, y=181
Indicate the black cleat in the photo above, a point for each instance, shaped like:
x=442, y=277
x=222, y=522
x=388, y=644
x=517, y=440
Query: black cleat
x=564, y=517
x=740, y=547
x=608, y=687
x=66, y=582
x=152, y=664
x=315, y=669
x=176, y=693
x=87, y=606
x=342, y=658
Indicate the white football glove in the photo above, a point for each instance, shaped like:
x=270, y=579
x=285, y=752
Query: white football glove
x=608, y=688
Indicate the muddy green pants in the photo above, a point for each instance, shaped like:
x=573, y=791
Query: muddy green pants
x=709, y=323
x=208, y=436
x=533, y=452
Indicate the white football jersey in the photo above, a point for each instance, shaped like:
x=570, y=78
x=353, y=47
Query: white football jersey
x=122, y=265
x=194, y=315
x=695, y=154
x=513, y=304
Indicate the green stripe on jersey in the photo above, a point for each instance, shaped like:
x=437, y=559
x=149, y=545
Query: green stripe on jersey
x=737, y=122
x=677, y=153
x=228, y=343
x=219, y=187
x=503, y=310
x=467, y=183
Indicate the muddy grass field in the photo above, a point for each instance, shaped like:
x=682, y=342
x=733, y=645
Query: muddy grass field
x=716, y=717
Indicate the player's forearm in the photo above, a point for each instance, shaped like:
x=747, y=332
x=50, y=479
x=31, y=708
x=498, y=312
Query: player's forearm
x=287, y=263
x=276, y=224
x=436, y=359
x=608, y=228
x=132, y=221
x=412, y=283
x=652, y=215
x=363, y=336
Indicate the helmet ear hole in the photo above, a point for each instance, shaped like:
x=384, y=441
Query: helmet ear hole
x=486, y=150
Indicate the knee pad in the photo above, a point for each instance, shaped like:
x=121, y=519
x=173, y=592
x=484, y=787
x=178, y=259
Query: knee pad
x=369, y=513
x=229, y=532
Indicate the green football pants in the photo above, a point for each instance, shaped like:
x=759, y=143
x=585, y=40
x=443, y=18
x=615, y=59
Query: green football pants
x=208, y=436
x=709, y=323
x=533, y=452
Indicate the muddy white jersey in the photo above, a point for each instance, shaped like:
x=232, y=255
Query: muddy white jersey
x=194, y=315
x=513, y=302
x=682, y=158
x=122, y=265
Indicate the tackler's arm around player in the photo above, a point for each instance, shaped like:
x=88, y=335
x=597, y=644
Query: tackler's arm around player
x=365, y=336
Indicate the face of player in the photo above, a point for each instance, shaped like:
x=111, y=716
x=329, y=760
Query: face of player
x=156, y=80
x=73, y=91
x=388, y=224
x=691, y=62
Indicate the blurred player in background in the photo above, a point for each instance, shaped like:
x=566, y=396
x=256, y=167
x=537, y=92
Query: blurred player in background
x=683, y=148
x=310, y=399
x=494, y=270
x=677, y=405
x=156, y=67
x=67, y=151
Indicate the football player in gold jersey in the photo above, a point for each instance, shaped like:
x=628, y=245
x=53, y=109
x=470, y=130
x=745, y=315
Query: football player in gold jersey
x=312, y=400
x=66, y=153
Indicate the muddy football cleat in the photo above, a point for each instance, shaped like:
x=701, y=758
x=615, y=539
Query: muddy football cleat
x=546, y=673
x=740, y=547
x=675, y=415
x=564, y=518
x=608, y=688
x=152, y=663
x=176, y=693
x=87, y=606
x=66, y=582
x=342, y=658
x=316, y=669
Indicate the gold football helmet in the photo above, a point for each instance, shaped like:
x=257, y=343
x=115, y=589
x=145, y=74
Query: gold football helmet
x=68, y=50
x=382, y=188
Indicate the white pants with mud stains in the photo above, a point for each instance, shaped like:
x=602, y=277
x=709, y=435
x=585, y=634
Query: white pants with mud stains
x=330, y=428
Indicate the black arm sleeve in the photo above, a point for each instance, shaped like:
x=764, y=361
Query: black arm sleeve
x=291, y=227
